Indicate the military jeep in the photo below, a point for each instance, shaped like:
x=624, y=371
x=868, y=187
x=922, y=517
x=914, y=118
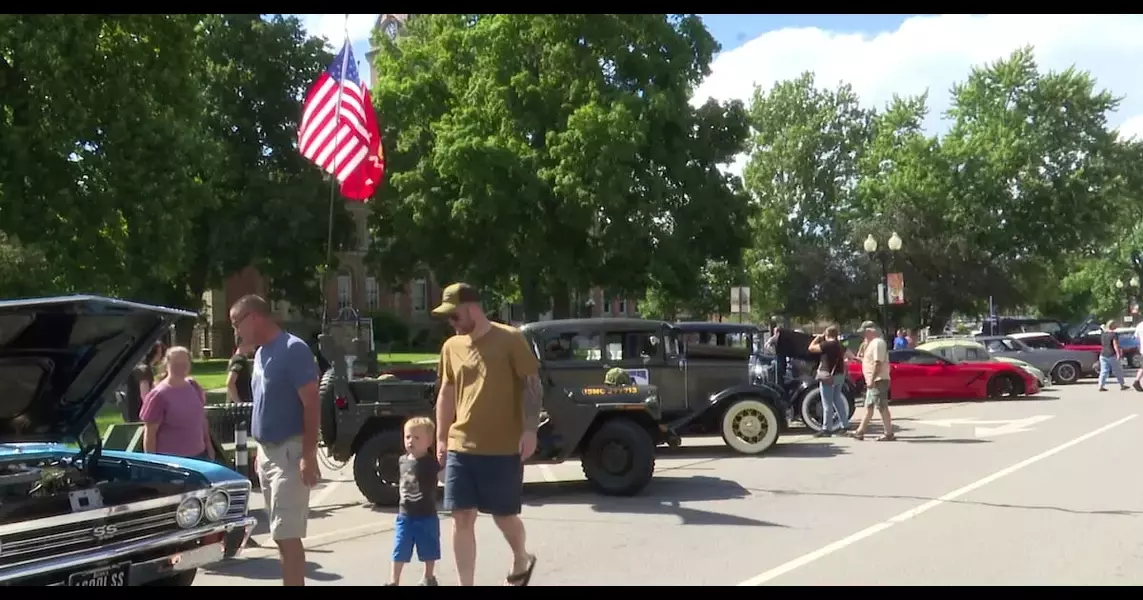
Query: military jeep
x=613, y=430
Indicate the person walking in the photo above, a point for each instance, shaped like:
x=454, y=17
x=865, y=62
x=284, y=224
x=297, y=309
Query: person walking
x=488, y=411
x=238, y=372
x=174, y=413
x=284, y=388
x=418, y=525
x=1138, y=383
x=831, y=381
x=901, y=342
x=1109, y=356
x=875, y=369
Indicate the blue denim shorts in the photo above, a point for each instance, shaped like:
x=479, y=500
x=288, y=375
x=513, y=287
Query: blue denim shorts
x=491, y=484
x=422, y=533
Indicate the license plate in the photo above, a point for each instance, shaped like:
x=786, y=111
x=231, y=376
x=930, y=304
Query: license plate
x=113, y=576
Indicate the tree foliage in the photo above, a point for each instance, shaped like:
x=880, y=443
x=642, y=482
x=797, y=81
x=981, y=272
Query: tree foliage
x=1028, y=178
x=544, y=154
x=150, y=156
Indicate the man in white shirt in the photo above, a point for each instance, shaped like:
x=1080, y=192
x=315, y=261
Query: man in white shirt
x=875, y=368
x=1138, y=383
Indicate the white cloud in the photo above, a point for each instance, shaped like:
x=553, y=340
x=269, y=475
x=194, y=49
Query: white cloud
x=334, y=27
x=933, y=52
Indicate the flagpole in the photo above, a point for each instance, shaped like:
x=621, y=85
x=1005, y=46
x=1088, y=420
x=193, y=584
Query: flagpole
x=333, y=183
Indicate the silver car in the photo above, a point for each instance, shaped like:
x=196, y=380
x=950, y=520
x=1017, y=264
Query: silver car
x=1063, y=366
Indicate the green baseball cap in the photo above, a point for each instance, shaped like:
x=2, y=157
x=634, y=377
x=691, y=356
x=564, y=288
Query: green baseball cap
x=617, y=376
x=455, y=295
x=869, y=325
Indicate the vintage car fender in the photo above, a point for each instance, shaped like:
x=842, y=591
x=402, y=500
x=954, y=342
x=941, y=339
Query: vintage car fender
x=725, y=397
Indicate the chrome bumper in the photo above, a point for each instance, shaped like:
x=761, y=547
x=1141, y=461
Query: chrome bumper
x=141, y=572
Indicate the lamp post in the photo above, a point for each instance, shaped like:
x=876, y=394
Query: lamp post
x=894, y=245
x=1126, y=288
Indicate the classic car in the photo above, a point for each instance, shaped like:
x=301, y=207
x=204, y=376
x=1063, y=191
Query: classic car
x=919, y=375
x=1092, y=337
x=1039, y=339
x=72, y=514
x=964, y=349
x=1064, y=366
x=704, y=388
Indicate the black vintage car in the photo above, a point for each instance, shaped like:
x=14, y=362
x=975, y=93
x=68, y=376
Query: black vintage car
x=71, y=513
x=704, y=386
x=744, y=346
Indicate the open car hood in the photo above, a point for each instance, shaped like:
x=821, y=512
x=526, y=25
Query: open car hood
x=59, y=356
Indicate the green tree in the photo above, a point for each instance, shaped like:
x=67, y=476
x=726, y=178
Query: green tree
x=547, y=153
x=101, y=156
x=802, y=175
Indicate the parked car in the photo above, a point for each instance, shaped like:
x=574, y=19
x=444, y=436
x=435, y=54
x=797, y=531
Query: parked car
x=1130, y=346
x=1035, y=340
x=72, y=514
x=919, y=375
x=964, y=349
x=1064, y=366
x=798, y=387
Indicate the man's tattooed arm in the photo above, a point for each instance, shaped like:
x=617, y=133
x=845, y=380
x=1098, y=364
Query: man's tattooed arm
x=533, y=402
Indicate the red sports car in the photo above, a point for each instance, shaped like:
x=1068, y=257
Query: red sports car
x=920, y=375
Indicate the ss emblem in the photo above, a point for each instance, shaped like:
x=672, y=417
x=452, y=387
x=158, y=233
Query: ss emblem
x=104, y=532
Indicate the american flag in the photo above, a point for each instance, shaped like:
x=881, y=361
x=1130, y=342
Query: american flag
x=338, y=127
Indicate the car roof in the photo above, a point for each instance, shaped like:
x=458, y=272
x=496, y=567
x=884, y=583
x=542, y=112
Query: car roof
x=949, y=343
x=989, y=338
x=614, y=324
x=716, y=326
x=1022, y=335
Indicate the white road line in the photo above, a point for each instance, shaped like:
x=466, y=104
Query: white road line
x=547, y=473
x=327, y=488
x=909, y=514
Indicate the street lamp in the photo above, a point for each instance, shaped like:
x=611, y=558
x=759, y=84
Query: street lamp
x=870, y=246
x=1126, y=288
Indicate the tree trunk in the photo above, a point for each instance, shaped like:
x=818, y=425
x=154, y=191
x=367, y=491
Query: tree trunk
x=561, y=302
x=532, y=297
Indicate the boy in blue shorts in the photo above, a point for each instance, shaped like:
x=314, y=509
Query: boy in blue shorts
x=418, y=525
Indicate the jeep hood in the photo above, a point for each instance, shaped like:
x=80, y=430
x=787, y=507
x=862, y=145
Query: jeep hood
x=60, y=356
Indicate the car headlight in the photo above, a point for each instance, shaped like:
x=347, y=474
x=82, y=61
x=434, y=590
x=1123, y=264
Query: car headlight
x=216, y=505
x=189, y=513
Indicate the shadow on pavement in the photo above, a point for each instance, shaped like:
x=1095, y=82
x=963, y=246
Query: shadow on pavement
x=822, y=449
x=1059, y=509
x=663, y=496
x=934, y=439
x=266, y=568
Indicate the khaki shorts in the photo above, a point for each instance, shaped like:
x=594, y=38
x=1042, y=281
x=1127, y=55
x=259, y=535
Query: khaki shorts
x=877, y=395
x=287, y=497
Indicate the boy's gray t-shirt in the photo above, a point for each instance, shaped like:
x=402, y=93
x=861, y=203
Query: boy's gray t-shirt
x=418, y=485
x=280, y=367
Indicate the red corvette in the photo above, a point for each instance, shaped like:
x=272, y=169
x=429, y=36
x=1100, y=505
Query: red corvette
x=920, y=375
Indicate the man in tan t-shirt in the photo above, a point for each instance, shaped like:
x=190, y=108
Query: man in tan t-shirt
x=874, y=355
x=488, y=411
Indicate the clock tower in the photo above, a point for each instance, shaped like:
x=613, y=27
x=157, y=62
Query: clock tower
x=390, y=25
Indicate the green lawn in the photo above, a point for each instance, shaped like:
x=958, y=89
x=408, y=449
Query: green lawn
x=406, y=358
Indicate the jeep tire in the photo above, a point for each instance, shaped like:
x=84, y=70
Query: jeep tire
x=750, y=425
x=811, y=409
x=620, y=458
x=327, y=400
x=375, y=469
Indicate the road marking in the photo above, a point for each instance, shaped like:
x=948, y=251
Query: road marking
x=315, y=541
x=1006, y=426
x=547, y=473
x=825, y=551
x=327, y=488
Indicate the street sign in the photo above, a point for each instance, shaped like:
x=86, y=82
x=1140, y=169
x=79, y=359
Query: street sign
x=1003, y=427
x=739, y=300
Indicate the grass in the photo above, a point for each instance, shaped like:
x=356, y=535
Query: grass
x=407, y=358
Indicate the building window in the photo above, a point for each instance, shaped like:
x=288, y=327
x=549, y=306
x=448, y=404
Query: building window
x=622, y=307
x=344, y=291
x=372, y=294
x=363, y=234
x=420, y=294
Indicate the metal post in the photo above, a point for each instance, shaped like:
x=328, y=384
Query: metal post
x=884, y=299
x=241, y=457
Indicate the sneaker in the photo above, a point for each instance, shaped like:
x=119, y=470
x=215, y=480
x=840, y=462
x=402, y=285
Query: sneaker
x=429, y=582
x=822, y=434
x=1123, y=388
x=1103, y=389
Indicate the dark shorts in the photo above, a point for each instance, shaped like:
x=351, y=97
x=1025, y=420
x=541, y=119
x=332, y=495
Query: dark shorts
x=422, y=533
x=490, y=484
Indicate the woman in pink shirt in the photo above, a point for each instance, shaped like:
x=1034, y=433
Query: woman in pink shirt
x=174, y=412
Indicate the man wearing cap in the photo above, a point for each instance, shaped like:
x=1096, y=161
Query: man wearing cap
x=875, y=368
x=488, y=411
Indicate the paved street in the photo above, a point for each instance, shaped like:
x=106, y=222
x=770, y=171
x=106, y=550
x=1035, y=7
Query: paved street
x=1002, y=493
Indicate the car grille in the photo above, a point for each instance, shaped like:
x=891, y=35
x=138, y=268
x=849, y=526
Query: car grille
x=239, y=498
x=79, y=537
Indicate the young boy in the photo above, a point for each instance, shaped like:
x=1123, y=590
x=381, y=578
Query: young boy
x=417, y=522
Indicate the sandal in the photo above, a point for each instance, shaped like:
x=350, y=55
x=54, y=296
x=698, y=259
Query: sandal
x=857, y=435
x=889, y=437
x=523, y=578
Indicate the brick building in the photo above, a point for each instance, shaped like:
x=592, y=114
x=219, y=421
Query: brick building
x=354, y=285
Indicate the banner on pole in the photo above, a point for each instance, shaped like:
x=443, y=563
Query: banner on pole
x=896, y=288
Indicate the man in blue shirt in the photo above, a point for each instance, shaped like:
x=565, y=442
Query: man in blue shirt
x=284, y=384
x=901, y=342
